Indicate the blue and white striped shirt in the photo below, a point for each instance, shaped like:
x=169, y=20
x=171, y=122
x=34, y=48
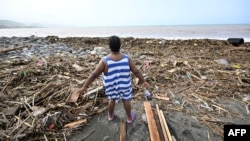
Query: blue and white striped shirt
x=117, y=81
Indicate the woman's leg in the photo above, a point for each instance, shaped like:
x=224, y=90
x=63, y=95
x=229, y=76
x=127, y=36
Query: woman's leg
x=127, y=107
x=111, y=107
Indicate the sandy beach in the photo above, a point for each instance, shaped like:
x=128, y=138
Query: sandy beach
x=207, y=82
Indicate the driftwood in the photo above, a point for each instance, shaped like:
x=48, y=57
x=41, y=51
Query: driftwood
x=74, y=124
x=236, y=49
x=93, y=91
x=11, y=49
x=75, y=94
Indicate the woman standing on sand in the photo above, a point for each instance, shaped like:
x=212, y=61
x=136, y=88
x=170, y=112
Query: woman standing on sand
x=115, y=69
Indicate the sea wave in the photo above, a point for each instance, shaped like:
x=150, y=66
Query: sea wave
x=221, y=32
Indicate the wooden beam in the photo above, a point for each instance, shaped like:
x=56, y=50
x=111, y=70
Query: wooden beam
x=154, y=134
x=166, y=126
x=162, y=124
x=122, y=130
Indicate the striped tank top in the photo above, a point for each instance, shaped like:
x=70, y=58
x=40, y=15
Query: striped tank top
x=117, y=81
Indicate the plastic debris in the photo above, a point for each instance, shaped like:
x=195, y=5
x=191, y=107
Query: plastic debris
x=222, y=61
x=38, y=110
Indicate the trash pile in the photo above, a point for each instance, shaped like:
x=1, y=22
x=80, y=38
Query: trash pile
x=209, y=80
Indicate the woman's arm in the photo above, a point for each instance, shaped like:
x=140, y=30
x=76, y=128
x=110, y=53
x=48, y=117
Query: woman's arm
x=137, y=73
x=98, y=70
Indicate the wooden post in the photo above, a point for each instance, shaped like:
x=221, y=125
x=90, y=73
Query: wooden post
x=122, y=130
x=154, y=134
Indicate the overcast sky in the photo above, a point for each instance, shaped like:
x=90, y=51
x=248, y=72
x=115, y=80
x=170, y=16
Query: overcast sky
x=126, y=12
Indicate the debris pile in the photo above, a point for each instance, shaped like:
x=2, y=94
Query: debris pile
x=208, y=80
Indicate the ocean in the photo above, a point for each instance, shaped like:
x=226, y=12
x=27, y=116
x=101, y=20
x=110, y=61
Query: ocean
x=221, y=32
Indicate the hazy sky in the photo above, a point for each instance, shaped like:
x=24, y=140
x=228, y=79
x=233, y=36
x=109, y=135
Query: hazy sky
x=126, y=12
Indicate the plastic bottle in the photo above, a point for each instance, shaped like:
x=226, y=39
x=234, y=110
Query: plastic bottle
x=147, y=94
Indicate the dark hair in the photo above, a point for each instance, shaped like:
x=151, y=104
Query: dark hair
x=114, y=43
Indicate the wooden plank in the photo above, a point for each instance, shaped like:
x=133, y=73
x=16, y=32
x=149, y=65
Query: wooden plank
x=122, y=130
x=161, y=98
x=154, y=134
x=162, y=124
x=158, y=124
x=166, y=126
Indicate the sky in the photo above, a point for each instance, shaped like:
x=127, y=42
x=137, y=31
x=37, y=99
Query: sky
x=126, y=12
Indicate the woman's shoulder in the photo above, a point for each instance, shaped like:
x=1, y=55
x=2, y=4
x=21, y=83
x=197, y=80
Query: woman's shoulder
x=126, y=55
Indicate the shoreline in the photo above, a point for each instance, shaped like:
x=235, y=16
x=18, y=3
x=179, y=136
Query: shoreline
x=135, y=37
x=218, y=32
x=246, y=40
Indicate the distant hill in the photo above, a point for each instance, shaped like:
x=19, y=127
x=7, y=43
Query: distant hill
x=10, y=24
x=14, y=24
